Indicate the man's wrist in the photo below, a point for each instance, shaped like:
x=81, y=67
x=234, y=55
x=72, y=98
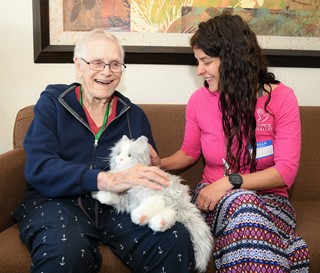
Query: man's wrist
x=102, y=180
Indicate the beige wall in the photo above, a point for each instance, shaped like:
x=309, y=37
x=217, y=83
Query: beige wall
x=21, y=81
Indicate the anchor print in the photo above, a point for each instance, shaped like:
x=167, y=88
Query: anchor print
x=44, y=238
x=130, y=259
x=121, y=246
x=136, y=240
x=179, y=256
x=82, y=253
x=162, y=270
x=62, y=262
x=64, y=238
x=146, y=268
x=160, y=250
x=175, y=233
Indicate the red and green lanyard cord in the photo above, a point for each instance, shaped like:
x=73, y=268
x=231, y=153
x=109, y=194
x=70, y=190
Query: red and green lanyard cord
x=105, y=119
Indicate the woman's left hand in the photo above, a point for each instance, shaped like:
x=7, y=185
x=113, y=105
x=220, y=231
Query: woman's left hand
x=210, y=195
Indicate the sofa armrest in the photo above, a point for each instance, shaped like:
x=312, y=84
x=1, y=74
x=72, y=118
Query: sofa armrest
x=12, y=184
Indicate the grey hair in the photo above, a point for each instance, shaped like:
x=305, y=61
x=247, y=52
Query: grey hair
x=80, y=47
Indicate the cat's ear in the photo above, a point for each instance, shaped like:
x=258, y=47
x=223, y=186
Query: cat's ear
x=124, y=137
x=142, y=139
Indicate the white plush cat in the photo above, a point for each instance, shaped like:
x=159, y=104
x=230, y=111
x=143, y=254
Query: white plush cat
x=159, y=209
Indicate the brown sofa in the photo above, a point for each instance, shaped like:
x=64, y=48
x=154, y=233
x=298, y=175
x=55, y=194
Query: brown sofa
x=167, y=123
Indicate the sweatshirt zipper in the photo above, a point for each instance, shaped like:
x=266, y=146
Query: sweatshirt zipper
x=96, y=141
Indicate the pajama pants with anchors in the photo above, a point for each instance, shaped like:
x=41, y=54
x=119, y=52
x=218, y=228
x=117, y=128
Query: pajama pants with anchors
x=63, y=235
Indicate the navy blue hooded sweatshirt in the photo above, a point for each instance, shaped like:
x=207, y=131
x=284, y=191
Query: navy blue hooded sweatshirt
x=63, y=158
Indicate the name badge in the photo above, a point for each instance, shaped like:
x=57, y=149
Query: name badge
x=264, y=149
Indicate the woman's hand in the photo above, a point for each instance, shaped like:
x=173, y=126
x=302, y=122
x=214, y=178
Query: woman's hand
x=210, y=195
x=154, y=157
x=138, y=175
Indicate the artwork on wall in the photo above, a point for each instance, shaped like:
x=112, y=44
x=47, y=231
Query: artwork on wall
x=158, y=32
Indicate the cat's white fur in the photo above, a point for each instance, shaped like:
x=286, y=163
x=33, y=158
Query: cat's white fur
x=159, y=209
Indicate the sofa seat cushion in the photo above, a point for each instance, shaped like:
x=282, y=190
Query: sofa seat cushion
x=308, y=218
x=14, y=255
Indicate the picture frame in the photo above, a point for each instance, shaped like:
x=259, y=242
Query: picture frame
x=44, y=52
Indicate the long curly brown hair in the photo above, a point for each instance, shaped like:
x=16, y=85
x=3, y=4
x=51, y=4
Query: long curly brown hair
x=243, y=71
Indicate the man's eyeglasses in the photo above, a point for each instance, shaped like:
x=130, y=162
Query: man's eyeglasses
x=99, y=66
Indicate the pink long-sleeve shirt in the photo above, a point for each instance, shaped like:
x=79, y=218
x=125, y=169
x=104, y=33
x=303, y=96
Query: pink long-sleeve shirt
x=278, y=135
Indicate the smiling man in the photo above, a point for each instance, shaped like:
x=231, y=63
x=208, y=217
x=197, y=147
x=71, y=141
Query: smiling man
x=67, y=148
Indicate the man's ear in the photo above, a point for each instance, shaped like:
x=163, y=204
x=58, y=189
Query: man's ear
x=76, y=61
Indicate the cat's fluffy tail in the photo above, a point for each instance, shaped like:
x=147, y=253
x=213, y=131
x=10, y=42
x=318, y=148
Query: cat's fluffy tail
x=190, y=216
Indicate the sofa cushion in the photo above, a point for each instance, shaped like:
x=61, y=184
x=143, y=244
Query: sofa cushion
x=21, y=125
x=308, y=223
x=14, y=255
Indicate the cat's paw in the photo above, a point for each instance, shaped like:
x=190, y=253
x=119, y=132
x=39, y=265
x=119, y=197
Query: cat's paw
x=95, y=195
x=148, y=208
x=106, y=197
x=139, y=218
x=163, y=221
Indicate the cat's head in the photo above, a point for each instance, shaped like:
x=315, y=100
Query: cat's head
x=128, y=152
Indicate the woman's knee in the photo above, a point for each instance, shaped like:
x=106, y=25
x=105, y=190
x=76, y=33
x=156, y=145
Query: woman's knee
x=239, y=207
x=242, y=200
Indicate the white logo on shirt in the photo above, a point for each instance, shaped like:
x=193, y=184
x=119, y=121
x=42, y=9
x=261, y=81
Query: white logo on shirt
x=262, y=117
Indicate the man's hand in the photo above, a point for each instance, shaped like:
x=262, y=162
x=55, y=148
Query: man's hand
x=138, y=175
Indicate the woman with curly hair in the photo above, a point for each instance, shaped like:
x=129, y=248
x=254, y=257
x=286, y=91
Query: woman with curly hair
x=246, y=125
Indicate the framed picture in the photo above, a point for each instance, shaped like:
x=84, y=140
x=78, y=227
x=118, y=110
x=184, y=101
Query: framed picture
x=54, y=36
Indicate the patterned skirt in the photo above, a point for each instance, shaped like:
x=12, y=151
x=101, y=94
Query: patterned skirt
x=255, y=233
